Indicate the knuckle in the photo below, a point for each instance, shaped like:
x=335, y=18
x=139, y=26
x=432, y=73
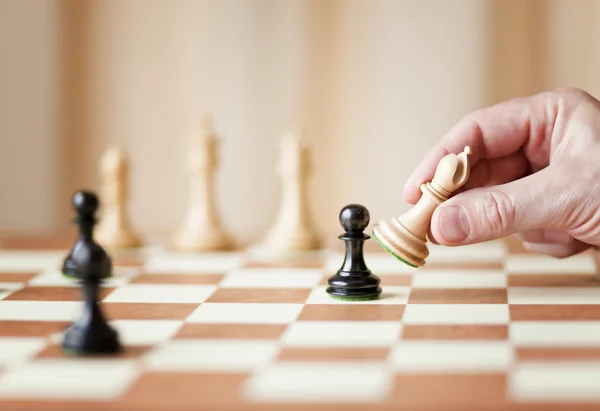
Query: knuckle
x=497, y=212
x=572, y=92
x=564, y=98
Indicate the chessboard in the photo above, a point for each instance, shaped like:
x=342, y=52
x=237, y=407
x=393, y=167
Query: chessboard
x=487, y=326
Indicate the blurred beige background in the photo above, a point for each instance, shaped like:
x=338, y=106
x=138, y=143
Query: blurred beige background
x=373, y=83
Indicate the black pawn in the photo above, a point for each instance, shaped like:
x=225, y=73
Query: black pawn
x=354, y=280
x=89, y=263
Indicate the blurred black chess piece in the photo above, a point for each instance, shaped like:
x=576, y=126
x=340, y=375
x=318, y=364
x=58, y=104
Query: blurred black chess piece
x=354, y=280
x=89, y=263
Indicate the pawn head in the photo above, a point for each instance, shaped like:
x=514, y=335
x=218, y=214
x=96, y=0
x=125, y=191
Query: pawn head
x=85, y=203
x=354, y=218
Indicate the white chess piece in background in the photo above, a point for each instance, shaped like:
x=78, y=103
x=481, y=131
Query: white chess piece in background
x=202, y=229
x=114, y=229
x=294, y=229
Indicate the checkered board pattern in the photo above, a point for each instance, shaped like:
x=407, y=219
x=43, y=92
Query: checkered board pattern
x=481, y=327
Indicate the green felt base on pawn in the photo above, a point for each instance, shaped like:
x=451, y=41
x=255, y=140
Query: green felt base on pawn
x=70, y=352
x=391, y=252
x=367, y=298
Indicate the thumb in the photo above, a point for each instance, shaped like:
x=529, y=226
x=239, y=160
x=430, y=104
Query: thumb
x=540, y=200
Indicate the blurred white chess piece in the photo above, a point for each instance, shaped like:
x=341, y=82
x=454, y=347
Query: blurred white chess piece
x=293, y=229
x=114, y=229
x=202, y=229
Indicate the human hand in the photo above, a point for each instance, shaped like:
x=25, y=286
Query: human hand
x=535, y=172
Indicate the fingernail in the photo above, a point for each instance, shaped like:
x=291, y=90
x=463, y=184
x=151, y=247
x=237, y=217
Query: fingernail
x=453, y=223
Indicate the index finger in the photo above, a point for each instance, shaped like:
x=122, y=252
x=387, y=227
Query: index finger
x=491, y=132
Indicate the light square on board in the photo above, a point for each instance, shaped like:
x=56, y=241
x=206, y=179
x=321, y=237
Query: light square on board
x=194, y=263
x=563, y=381
x=14, y=350
x=231, y=355
x=175, y=278
x=320, y=382
x=61, y=378
x=389, y=295
x=542, y=264
x=342, y=334
x=272, y=278
x=161, y=293
x=39, y=310
x=265, y=257
x=556, y=333
x=333, y=354
x=458, y=278
x=456, y=314
x=488, y=252
x=245, y=313
x=30, y=261
x=457, y=356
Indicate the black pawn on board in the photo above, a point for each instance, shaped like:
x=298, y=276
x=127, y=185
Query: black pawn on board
x=354, y=281
x=89, y=263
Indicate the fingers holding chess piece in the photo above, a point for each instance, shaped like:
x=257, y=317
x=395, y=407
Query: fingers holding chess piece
x=405, y=236
x=354, y=280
